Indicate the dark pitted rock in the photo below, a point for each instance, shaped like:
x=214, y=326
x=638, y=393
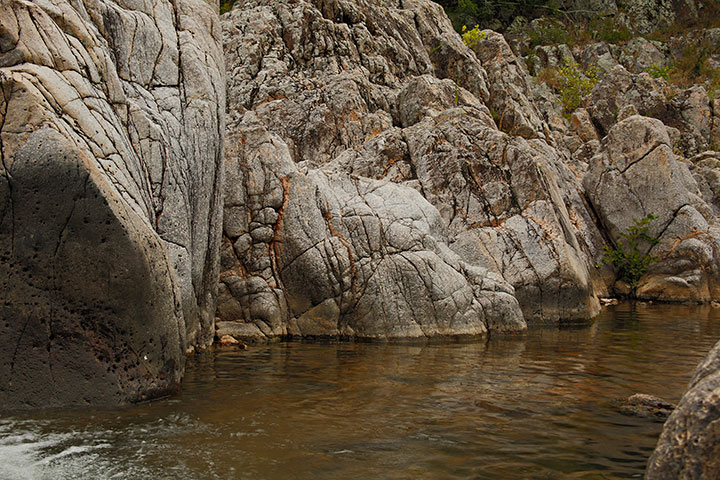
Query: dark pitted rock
x=110, y=131
x=689, y=446
x=647, y=406
x=650, y=15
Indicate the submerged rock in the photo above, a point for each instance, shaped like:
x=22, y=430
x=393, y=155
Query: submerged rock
x=649, y=406
x=110, y=135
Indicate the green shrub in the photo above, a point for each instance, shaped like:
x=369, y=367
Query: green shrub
x=496, y=15
x=658, y=71
x=531, y=60
x=713, y=88
x=607, y=30
x=473, y=36
x=549, y=32
x=574, y=83
x=226, y=5
x=627, y=257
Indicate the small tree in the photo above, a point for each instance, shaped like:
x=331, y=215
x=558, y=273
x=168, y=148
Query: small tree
x=575, y=83
x=627, y=257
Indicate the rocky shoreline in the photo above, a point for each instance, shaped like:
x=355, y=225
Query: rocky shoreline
x=345, y=168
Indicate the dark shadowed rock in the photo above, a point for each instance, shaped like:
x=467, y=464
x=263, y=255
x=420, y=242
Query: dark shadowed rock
x=110, y=136
x=689, y=446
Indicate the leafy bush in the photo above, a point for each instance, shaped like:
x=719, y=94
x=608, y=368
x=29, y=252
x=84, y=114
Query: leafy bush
x=627, y=257
x=658, y=71
x=692, y=66
x=549, y=32
x=473, y=36
x=606, y=29
x=226, y=5
x=574, y=83
x=494, y=14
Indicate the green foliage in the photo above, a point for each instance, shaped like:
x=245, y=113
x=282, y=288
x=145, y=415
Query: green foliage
x=472, y=37
x=531, y=60
x=226, y=5
x=658, y=71
x=606, y=29
x=631, y=262
x=692, y=62
x=574, y=84
x=494, y=14
x=549, y=32
x=713, y=87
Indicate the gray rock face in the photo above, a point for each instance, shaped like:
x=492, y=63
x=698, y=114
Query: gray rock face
x=384, y=99
x=620, y=88
x=690, y=111
x=508, y=84
x=636, y=174
x=640, y=54
x=110, y=207
x=689, y=446
x=337, y=255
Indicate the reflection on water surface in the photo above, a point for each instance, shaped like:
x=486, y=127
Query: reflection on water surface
x=542, y=406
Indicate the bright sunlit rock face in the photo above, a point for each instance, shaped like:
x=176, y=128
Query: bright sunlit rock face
x=351, y=96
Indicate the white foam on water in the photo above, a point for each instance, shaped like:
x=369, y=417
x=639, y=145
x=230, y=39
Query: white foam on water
x=19, y=454
x=31, y=455
x=73, y=450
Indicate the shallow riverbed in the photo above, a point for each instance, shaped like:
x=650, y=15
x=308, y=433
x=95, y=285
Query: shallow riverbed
x=541, y=406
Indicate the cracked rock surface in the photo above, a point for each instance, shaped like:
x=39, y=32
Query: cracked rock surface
x=689, y=446
x=381, y=111
x=636, y=174
x=110, y=196
x=331, y=254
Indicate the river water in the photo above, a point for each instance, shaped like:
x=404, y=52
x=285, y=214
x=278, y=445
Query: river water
x=540, y=406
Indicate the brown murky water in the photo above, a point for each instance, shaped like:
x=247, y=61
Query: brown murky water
x=543, y=406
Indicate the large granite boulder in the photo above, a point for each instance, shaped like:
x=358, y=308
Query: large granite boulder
x=110, y=207
x=386, y=91
x=689, y=446
x=330, y=254
x=636, y=174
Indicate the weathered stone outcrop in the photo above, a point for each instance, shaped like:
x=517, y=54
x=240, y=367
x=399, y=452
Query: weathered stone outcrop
x=689, y=446
x=320, y=254
x=689, y=111
x=110, y=207
x=387, y=92
x=637, y=174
